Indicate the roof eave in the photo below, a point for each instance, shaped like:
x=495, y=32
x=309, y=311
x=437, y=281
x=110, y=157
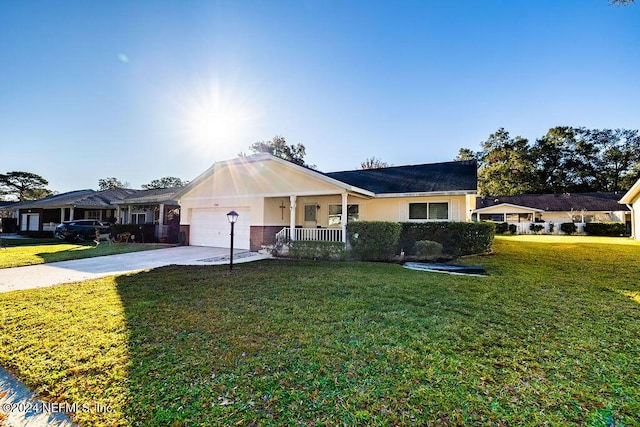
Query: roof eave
x=427, y=194
x=478, y=210
x=265, y=156
x=633, y=192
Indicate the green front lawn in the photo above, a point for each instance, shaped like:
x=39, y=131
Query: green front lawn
x=552, y=337
x=17, y=256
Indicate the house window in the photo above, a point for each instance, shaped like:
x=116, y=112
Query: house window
x=139, y=218
x=519, y=217
x=429, y=211
x=335, y=214
x=492, y=217
x=93, y=215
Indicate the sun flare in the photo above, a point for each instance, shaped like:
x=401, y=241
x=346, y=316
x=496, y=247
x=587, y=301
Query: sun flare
x=219, y=119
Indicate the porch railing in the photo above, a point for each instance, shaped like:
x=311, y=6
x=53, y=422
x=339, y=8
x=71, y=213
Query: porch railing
x=322, y=234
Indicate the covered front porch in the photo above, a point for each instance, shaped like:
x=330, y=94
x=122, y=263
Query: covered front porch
x=320, y=217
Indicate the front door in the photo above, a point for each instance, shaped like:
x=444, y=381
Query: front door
x=310, y=216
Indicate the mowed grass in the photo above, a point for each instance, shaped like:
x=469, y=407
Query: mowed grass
x=552, y=337
x=18, y=256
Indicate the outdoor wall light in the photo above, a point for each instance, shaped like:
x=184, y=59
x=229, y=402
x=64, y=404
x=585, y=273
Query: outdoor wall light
x=232, y=217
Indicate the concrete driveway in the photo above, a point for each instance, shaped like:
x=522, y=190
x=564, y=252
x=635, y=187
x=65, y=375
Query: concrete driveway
x=38, y=276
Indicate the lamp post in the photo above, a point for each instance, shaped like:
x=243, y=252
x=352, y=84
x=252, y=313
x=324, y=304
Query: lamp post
x=232, y=217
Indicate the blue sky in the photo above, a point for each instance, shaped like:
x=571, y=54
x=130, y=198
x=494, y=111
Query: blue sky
x=140, y=90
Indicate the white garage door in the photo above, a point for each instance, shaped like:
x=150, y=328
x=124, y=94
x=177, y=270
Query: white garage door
x=210, y=227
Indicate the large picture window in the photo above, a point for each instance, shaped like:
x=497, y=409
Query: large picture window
x=429, y=211
x=335, y=214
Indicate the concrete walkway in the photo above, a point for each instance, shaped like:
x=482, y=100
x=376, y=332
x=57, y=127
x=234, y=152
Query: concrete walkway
x=23, y=409
x=38, y=276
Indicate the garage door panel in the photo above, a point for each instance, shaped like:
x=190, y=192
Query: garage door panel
x=210, y=227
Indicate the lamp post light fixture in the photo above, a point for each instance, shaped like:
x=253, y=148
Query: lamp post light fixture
x=232, y=217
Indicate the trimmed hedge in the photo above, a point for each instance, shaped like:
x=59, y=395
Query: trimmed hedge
x=612, y=229
x=315, y=249
x=502, y=227
x=373, y=240
x=456, y=238
x=568, y=228
x=428, y=250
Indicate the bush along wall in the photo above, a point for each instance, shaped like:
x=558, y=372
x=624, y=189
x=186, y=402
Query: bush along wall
x=373, y=240
x=314, y=249
x=456, y=238
x=612, y=229
x=568, y=228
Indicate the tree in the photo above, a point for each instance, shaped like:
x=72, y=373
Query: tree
x=166, y=182
x=556, y=162
x=467, y=154
x=279, y=148
x=621, y=2
x=506, y=167
x=617, y=157
x=24, y=185
x=373, y=163
x=111, y=183
x=565, y=159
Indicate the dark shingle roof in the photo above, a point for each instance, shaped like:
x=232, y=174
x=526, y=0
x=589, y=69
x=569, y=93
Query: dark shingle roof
x=426, y=178
x=80, y=198
x=153, y=196
x=558, y=202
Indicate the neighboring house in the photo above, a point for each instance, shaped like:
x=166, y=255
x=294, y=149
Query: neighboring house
x=7, y=220
x=124, y=205
x=156, y=206
x=579, y=208
x=43, y=215
x=632, y=201
x=276, y=197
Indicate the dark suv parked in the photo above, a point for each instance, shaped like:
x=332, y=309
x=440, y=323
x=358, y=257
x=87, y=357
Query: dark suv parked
x=81, y=229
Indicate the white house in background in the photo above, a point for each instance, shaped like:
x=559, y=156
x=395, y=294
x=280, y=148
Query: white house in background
x=632, y=201
x=579, y=208
x=277, y=197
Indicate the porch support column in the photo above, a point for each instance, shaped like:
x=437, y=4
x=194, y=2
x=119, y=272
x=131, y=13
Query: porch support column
x=343, y=218
x=161, y=219
x=61, y=215
x=118, y=219
x=160, y=227
x=292, y=218
x=129, y=214
x=71, y=213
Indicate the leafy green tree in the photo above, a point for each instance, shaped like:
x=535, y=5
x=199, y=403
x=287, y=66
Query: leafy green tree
x=565, y=159
x=165, y=182
x=24, y=185
x=278, y=147
x=111, y=183
x=621, y=2
x=467, y=154
x=506, y=168
x=373, y=163
x=555, y=162
x=617, y=157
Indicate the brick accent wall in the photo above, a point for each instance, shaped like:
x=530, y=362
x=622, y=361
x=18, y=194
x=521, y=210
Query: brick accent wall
x=185, y=229
x=263, y=235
